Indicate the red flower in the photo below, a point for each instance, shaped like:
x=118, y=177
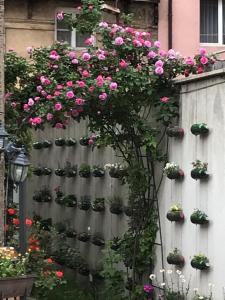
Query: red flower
x=11, y=211
x=59, y=274
x=28, y=222
x=50, y=260
x=16, y=222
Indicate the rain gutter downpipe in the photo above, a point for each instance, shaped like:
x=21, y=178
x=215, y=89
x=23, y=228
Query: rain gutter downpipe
x=170, y=24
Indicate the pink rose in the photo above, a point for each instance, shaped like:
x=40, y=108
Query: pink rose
x=60, y=15
x=147, y=44
x=59, y=126
x=103, y=96
x=101, y=57
x=164, y=99
x=69, y=83
x=136, y=43
x=30, y=102
x=91, y=89
x=159, y=70
x=49, y=116
x=159, y=63
x=58, y=106
x=171, y=54
x=57, y=93
x=37, y=98
x=189, y=61
x=39, y=88
x=103, y=24
x=109, y=78
x=123, y=64
x=26, y=107
x=75, y=113
x=13, y=104
x=29, y=50
x=49, y=97
x=157, y=44
x=90, y=41
x=113, y=86
x=86, y=56
x=59, y=87
x=75, y=61
x=79, y=101
x=204, y=60
x=202, y=51
x=72, y=54
x=162, y=53
x=119, y=41
x=81, y=84
x=70, y=94
x=85, y=73
x=151, y=54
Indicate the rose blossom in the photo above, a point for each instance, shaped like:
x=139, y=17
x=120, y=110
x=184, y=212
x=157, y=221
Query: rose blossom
x=103, y=96
x=37, y=98
x=113, y=86
x=59, y=274
x=159, y=70
x=49, y=116
x=29, y=50
x=81, y=84
x=159, y=63
x=86, y=56
x=171, y=54
x=28, y=222
x=79, y=101
x=70, y=94
x=57, y=93
x=26, y=107
x=90, y=41
x=72, y=54
x=59, y=125
x=147, y=44
x=202, y=51
x=164, y=99
x=189, y=61
x=60, y=15
x=30, y=102
x=13, y=104
x=75, y=61
x=91, y=89
x=119, y=41
x=163, y=53
x=101, y=57
x=103, y=24
x=69, y=83
x=123, y=64
x=16, y=222
x=59, y=87
x=11, y=211
x=204, y=60
x=85, y=73
x=39, y=88
x=151, y=54
x=58, y=106
x=157, y=44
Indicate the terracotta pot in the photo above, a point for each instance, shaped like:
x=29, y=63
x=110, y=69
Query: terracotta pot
x=16, y=286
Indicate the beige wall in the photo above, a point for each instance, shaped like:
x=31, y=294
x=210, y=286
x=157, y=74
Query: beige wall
x=34, y=24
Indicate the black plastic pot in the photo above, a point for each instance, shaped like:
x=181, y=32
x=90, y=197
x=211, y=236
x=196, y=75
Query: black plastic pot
x=117, y=173
x=199, y=174
x=175, y=216
x=70, y=201
x=84, y=141
x=197, y=129
x=98, y=241
x=116, y=209
x=85, y=174
x=83, y=270
x=177, y=260
x=39, y=171
x=71, y=173
x=60, y=172
x=60, y=142
x=98, y=173
x=200, y=266
x=70, y=142
x=98, y=205
x=176, y=175
x=47, y=144
x=175, y=131
x=71, y=233
x=38, y=145
x=83, y=237
x=47, y=171
x=196, y=220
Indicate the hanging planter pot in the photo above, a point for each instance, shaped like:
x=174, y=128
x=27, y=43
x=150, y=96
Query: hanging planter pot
x=83, y=270
x=38, y=171
x=199, y=217
x=42, y=196
x=60, y=172
x=200, y=170
x=199, y=129
x=38, y=145
x=47, y=144
x=98, y=204
x=71, y=233
x=175, y=258
x=175, y=131
x=70, y=142
x=175, y=214
x=97, y=171
x=60, y=142
x=84, y=141
x=83, y=237
x=70, y=201
x=116, y=206
x=47, y=171
x=85, y=171
x=173, y=171
x=59, y=197
x=200, y=262
x=84, y=203
x=11, y=287
x=97, y=240
x=128, y=211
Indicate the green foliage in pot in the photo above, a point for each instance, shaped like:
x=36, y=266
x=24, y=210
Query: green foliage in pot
x=71, y=233
x=97, y=240
x=200, y=262
x=69, y=200
x=199, y=129
x=98, y=204
x=85, y=171
x=175, y=131
x=60, y=172
x=116, y=170
x=116, y=206
x=175, y=258
x=70, y=142
x=59, y=196
x=173, y=171
x=60, y=142
x=199, y=170
x=84, y=141
x=84, y=203
x=38, y=145
x=47, y=171
x=98, y=171
x=47, y=144
x=71, y=171
x=38, y=171
x=199, y=217
x=175, y=214
x=83, y=237
x=43, y=195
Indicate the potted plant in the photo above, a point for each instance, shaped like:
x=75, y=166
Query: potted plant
x=97, y=171
x=47, y=144
x=60, y=172
x=199, y=217
x=175, y=131
x=42, y=195
x=84, y=141
x=71, y=233
x=173, y=171
x=84, y=203
x=71, y=171
x=199, y=129
x=70, y=142
x=199, y=170
x=175, y=258
x=70, y=201
x=47, y=171
x=83, y=237
x=59, y=196
x=175, y=214
x=38, y=171
x=14, y=282
x=37, y=145
x=200, y=262
x=116, y=206
x=98, y=204
x=116, y=170
x=97, y=240
x=83, y=269
x=60, y=142
x=85, y=171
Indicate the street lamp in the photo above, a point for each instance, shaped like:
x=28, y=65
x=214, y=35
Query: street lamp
x=19, y=167
x=3, y=137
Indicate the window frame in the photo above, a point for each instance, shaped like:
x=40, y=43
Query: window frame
x=220, y=27
x=73, y=11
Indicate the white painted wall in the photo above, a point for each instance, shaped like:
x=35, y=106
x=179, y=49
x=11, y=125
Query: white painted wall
x=201, y=100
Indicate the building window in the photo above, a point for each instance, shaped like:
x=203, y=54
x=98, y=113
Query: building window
x=72, y=37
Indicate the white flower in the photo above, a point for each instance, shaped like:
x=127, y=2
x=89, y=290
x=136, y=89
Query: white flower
x=181, y=276
x=183, y=280
x=200, y=297
x=152, y=276
x=169, y=271
x=162, y=271
x=178, y=272
x=89, y=228
x=163, y=284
